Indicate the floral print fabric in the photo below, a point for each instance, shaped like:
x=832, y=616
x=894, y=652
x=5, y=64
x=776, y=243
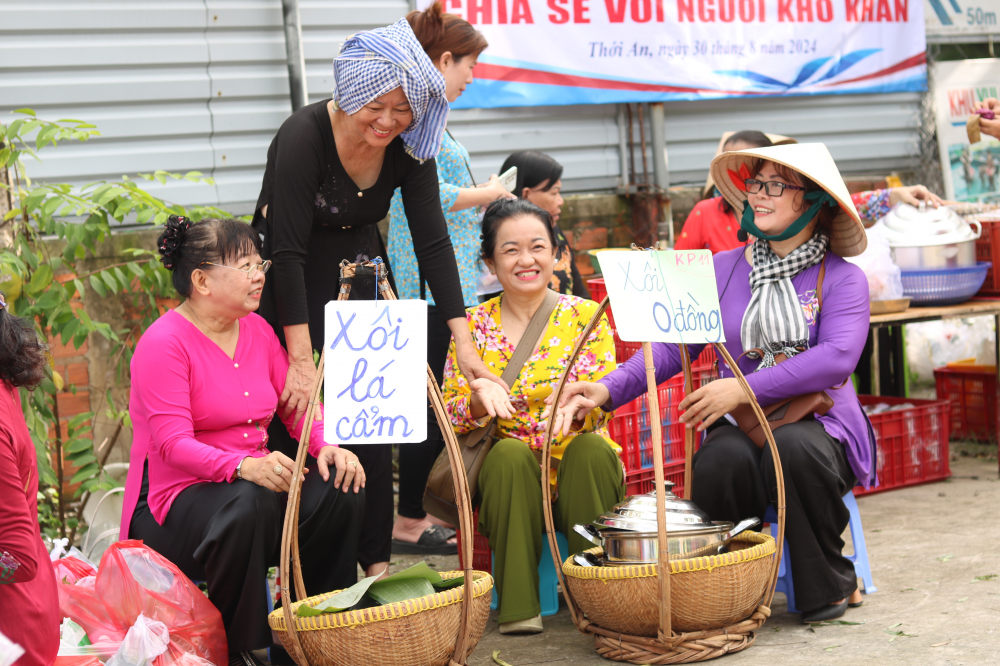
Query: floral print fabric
x=540, y=374
x=872, y=205
x=463, y=227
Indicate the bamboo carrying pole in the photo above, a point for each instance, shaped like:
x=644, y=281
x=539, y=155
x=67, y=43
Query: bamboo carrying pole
x=289, y=536
x=665, y=638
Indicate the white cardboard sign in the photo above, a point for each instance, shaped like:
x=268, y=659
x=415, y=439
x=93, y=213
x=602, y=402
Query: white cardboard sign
x=663, y=296
x=375, y=383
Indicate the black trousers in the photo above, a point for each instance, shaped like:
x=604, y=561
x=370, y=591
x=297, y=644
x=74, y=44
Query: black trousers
x=733, y=480
x=376, y=459
x=229, y=534
x=416, y=460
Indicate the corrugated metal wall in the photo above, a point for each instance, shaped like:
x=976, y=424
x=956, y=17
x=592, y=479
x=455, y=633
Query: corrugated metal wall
x=202, y=85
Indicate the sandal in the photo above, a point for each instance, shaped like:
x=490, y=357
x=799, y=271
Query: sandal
x=434, y=541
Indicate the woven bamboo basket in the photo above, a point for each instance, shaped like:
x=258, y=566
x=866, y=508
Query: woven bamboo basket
x=705, y=592
x=416, y=632
x=683, y=643
x=438, y=629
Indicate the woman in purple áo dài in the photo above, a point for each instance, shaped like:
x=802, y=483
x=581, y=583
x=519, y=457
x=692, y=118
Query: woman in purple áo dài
x=794, y=200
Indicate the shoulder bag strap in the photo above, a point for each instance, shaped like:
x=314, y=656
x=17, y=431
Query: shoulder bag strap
x=819, y=284
x=536, y=328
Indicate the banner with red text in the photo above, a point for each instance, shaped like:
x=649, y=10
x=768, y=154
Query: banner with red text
x=604, y=51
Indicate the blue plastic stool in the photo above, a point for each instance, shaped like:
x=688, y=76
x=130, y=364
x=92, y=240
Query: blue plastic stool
x=548, y=581
x=860, y=557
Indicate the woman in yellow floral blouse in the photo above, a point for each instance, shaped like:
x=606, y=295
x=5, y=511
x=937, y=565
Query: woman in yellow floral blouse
x=518, y=246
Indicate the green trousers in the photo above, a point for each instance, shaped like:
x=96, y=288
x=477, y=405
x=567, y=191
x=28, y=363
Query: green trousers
x=590, y=481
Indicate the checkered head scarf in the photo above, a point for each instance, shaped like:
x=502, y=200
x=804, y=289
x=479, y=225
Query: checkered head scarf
x=774, y=322
x=373, y=62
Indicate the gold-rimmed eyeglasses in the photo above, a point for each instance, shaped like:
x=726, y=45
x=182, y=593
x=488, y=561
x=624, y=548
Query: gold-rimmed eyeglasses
x=249, y=270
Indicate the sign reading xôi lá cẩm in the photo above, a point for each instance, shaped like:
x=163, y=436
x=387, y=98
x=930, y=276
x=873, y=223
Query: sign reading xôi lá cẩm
x=375, y=383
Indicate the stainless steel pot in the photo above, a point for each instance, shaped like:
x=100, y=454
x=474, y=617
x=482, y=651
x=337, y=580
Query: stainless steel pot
x=924, y=238
x=626, y=547
x=628, y=531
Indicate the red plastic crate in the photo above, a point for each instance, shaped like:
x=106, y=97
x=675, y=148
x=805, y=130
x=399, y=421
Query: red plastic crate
x=643, y=481
x=988, y=249
x=911, y=444
x=973, y=395
x=630, y=427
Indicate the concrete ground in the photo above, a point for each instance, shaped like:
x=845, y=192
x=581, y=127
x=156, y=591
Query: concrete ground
x=935, y=557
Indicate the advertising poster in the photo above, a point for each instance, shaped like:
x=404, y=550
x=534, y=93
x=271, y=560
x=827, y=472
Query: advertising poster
x=970, y=171
x=961, y=18
x=546, y=52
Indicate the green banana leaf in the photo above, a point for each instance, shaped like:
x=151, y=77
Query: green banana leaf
x=391, y=591
x=341, y=601
x=411, y=583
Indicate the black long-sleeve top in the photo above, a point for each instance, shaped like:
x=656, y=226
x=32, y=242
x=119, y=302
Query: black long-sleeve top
x=317, y=216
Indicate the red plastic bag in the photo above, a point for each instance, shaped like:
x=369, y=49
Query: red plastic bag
x=133, y=579
x=70, y=569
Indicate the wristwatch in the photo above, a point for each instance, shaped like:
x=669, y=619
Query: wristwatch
x=239, y=471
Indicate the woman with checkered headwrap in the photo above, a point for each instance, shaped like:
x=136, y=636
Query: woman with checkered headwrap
x=331, y=172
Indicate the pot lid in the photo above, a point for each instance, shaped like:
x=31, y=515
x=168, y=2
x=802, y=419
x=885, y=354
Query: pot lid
x=638, y=513
x=912, y=226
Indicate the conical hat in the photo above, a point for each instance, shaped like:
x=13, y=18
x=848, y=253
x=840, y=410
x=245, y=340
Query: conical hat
x=776, y=140
x=813, y=161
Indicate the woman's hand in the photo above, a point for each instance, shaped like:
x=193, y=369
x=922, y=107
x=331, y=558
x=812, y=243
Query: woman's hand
x=711, y=402
x=480, y=195
x=490, y=397
x=577, y=400
x=495, y=189
x=990, y=127
x=347, y=466
x=273, y=471
x=298, y=390
x=913, y=195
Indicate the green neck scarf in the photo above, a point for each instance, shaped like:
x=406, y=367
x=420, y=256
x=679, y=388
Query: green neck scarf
x=819, y=198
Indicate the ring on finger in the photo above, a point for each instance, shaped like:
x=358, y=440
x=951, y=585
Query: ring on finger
x=278, y=469
x=353, y=462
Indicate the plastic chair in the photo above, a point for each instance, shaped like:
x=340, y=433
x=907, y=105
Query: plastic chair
x=548, y=581
x=860, y=557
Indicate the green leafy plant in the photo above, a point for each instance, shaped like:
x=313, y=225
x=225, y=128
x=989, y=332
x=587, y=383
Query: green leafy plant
x=50, y=234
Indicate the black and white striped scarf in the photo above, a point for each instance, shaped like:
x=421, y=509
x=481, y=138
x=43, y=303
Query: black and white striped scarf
x=773, y=321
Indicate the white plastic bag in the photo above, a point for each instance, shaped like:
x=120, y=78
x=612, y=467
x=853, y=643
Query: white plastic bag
x=935, y=344
x=145, y=641
x=9, y=651
x=885, y=281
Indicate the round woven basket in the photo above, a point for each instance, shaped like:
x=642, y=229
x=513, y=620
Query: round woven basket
x=438, y=629
x=703, y=608
x=705, y=592
x=416, y=632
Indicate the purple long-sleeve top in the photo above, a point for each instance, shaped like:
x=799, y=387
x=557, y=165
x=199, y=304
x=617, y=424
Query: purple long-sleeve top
x=836, y=339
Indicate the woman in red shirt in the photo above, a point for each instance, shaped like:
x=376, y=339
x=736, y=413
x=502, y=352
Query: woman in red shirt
x=28, y=594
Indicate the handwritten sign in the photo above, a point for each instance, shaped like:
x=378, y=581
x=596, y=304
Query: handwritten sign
x=375, y=384
x=664, y=296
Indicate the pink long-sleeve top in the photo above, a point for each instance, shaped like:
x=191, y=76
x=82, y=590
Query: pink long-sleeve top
x=196, y=412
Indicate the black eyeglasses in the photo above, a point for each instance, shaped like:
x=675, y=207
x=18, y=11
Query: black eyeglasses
x=774, y=188
x=249, y=270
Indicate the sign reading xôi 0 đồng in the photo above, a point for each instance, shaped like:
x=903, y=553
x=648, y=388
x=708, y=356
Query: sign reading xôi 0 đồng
x=663, y=296
x=556, y=52
x=375, y=382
